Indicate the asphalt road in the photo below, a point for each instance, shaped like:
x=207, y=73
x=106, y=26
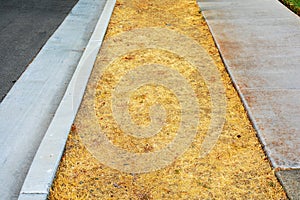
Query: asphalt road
x=25, y=26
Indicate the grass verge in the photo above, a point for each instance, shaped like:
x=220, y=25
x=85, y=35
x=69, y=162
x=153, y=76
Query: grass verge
x=236, y=168
x=293, y=5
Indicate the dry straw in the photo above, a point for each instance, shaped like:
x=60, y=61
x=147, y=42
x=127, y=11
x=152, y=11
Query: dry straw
x=236, y=168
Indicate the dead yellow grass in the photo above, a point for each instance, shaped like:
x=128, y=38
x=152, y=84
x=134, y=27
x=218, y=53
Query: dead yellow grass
x=235, y=169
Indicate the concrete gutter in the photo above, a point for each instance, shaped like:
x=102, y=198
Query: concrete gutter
x=28, y=109
x=46, y=161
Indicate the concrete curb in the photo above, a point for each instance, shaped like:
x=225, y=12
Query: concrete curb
x=43, y=168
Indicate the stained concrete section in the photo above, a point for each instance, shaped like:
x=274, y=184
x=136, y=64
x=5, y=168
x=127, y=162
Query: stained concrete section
x=259, y=42
x=25, y=26
x=30, y=105
x=290, y=179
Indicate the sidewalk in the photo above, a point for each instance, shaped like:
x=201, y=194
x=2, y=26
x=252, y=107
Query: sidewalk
x=259, y=42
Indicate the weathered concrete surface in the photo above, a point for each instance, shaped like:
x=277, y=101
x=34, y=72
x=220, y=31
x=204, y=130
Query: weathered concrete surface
x=259, y=41
x=25, y=26
x=28, y=108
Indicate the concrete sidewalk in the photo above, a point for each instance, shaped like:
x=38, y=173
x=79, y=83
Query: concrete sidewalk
x=259, y=42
